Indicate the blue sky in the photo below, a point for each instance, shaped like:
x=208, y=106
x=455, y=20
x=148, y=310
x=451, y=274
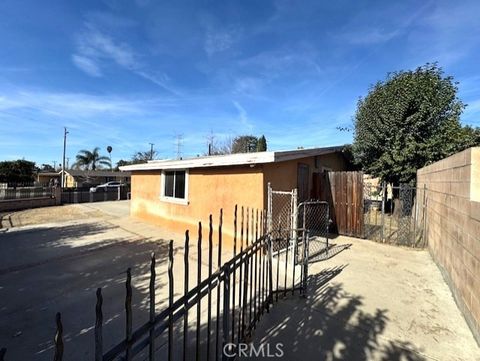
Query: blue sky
x=126, y=73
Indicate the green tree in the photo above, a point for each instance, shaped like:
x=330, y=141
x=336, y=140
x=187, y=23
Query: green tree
x=17, y=171
x=244, y=144
x=144, y=157
x=262, y=144
x=408, y=121
x=47, y=168
x=91, y=159
x=137, y=158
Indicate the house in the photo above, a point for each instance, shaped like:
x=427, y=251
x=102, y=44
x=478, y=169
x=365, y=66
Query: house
x=84, y=178
x=177, y=194
x=43, y=178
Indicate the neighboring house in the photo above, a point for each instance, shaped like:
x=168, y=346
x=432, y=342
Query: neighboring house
x=177, y=194
x=43, y=178
x=84, y=178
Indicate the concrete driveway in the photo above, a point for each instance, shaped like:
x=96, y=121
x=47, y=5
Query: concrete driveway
x=370, y=301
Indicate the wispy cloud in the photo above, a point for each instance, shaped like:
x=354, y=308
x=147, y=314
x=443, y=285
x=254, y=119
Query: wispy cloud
x=87, y=65
x=371, y=36
x=217, y=41
x=79, y=105
x=243, y=117
x=218, y=38
x=451, y=31
x=94, y=48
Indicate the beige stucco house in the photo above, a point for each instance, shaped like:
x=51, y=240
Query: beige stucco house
x=176, y=194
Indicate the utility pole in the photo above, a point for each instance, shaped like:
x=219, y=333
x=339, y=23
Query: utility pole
x=54, y=165
x=179, y=145
x=65, y=132
x=151, y=150
x=68, y=161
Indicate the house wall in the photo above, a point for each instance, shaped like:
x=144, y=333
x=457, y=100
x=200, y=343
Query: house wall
x=209, y=190
x=453, y=226
x=283, y=175
x=44, y=179
x=70, y=181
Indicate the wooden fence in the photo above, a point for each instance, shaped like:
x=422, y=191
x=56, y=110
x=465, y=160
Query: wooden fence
x=344, y=193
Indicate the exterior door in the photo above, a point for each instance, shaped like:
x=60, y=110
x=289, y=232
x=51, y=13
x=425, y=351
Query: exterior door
x=303, y=175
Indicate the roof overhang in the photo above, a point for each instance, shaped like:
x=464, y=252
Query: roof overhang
x=232, y=159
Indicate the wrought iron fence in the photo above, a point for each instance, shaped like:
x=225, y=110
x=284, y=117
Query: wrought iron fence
x=227, y=304
x=20, y=192
x=395, y=214
x=83, y=195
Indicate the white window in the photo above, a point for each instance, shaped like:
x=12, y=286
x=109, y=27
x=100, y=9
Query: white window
x=175, y=186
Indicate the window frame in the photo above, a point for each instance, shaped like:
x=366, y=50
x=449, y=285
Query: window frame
x=163, y=197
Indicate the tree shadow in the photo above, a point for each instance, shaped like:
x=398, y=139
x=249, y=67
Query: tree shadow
x=329, y=324
x=57, y=275
x=36, y=245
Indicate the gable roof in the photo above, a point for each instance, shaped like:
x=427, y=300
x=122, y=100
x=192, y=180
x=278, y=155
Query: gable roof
x=232, y=159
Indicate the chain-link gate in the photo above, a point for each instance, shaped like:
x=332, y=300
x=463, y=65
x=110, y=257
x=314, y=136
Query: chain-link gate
x=314, y=219
x=394, y=214
x=282, y=218
x=289, y=223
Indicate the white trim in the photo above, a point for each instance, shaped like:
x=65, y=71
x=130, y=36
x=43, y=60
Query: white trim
x=164, y=198
x=231, y=159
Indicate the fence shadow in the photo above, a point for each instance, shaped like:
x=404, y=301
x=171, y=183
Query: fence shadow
x=330, y=324
x=320, y=251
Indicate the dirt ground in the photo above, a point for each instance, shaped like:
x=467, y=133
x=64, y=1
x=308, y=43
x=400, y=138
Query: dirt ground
x=64, y=213
x=53, y=260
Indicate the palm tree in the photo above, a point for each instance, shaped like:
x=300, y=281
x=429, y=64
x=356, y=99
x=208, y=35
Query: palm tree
x=87, y=159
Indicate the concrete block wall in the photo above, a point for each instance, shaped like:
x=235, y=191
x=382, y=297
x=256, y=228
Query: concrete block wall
x=27, y=203
x=453, y=226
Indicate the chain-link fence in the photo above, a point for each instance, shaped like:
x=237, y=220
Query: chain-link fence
x=288, y=223
x=314, y=218
x=394, y=214
x=281, y=217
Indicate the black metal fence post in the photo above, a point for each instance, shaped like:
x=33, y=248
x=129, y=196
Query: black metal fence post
x=151, y=345
x=219, y=264
x=185, y=293
x=199, y=280
x=98, y=327
x=128, y=315
x=170, y=301
x=226, y=310
x=234, y=272
x=58, y=356
x=209, y=299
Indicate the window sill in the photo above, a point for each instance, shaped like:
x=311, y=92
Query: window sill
x=183, y=202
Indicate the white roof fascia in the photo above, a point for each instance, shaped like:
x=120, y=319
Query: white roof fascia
x=230, y=159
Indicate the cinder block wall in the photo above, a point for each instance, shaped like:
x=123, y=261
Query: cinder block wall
x=453, y=226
